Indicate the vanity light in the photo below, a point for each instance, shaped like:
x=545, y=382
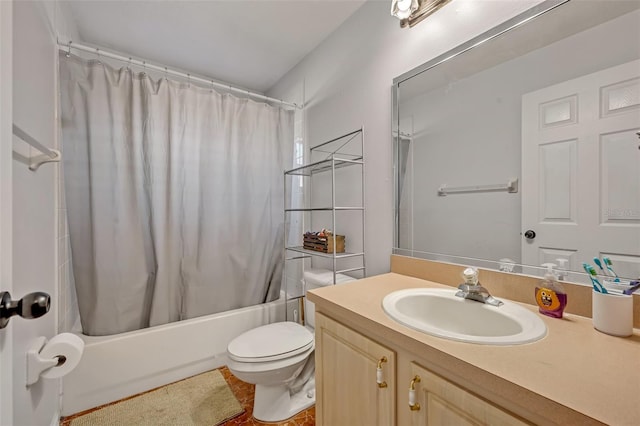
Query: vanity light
x=402, y=9
x=410, y=12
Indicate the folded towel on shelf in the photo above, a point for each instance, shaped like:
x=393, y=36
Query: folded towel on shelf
x=321, y=277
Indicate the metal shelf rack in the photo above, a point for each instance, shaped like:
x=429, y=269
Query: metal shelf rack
x=346, y=151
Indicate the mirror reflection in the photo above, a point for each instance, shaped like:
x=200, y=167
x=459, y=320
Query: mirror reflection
x=524, y=149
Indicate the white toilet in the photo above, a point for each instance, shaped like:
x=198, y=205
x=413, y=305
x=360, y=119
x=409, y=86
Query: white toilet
x=278, y=359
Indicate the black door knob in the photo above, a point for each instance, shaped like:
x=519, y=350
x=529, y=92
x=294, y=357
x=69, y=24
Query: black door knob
x=530, y=234
x=33, y=305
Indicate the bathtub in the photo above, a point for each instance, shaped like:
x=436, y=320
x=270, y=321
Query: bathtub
x=114, y=367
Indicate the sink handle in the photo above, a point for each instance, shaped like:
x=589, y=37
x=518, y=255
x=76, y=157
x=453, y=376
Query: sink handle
x=379, y=378
x=413, y=405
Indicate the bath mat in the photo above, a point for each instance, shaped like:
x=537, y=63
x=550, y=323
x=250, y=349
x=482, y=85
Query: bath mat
x=202, y=400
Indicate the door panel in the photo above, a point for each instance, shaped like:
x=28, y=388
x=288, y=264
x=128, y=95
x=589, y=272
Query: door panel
x=29, y=239
x=558, y=182
x=581, y=170
x=620, y=197
x=6, y=280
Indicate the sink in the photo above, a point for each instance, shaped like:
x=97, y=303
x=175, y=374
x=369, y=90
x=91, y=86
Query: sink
x=441, y=313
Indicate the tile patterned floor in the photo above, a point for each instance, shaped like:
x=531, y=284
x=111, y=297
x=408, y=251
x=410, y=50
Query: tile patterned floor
x=244, y=392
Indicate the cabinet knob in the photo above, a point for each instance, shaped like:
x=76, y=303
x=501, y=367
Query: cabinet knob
x=413, y=405
x=379, y=379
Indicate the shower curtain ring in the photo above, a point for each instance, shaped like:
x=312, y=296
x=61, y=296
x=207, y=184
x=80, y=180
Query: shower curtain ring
x=189, y=80
x=129, y=64
x=144, y=68
x=166, y=74
x=98, y=55
x=68, y=55
x=211, y=86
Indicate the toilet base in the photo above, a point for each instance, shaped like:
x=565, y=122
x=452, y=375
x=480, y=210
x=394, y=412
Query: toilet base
x=275, y=403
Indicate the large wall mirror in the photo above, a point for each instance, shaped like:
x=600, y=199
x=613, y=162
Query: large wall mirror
x=521, y=146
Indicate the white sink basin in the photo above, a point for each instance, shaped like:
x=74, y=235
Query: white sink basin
x=441, y=313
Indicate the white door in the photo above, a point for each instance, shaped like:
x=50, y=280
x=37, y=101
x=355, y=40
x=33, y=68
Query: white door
x=581, y=170
x=28, y=217
x=6, y=340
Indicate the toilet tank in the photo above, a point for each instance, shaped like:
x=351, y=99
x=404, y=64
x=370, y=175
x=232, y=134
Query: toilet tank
x=316, y=278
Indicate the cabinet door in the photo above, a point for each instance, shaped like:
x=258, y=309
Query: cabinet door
x=443, y=403
x=347, y=392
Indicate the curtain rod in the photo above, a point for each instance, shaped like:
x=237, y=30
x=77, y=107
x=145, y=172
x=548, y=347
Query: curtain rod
x=107, y=54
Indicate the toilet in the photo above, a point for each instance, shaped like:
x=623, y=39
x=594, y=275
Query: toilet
x=279, y=359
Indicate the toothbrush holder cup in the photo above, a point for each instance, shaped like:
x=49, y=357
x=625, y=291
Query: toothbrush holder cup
x=613, y=313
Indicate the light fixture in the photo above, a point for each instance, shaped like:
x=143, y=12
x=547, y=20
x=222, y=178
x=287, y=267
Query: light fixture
x=410, y=12
x=402, y=9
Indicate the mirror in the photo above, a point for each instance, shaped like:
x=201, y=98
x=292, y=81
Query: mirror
x=520, y=147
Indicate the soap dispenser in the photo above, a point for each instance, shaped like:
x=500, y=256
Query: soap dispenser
x=550, y=296
x=562, y=268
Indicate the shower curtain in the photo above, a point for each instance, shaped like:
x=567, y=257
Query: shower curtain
x=174, y=197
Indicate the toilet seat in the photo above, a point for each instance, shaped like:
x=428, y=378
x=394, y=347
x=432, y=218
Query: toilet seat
x=271, y=342
x=268, y=366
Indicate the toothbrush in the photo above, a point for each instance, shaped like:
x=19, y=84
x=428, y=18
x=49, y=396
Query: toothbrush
x=592, y=275
x=634, y=286
x=599, y=264
x=608, y=263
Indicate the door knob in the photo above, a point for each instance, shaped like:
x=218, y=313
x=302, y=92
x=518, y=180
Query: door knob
x=33, y=305
x=530, y=234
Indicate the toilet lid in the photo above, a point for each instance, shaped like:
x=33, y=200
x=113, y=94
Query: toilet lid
x=270, y=342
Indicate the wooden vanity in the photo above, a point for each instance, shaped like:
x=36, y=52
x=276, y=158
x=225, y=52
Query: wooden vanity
x=575, y=375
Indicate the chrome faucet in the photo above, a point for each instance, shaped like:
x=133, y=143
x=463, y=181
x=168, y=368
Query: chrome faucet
x=472, y=290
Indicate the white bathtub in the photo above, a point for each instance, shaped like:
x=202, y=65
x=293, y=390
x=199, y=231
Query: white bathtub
x=114, y=367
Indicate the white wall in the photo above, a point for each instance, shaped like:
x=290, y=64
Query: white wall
x=346, y=82
x=68, y=313
x=469, y=133
x=36, y=264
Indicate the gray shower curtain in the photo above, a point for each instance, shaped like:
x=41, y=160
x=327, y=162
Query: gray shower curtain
x=174, y=197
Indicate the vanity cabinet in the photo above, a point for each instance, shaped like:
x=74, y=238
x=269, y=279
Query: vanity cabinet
x=440, y=402
x=349, y=367
x=347, y=388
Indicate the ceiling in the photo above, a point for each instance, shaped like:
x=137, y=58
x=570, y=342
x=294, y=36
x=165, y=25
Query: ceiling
x=247, y=43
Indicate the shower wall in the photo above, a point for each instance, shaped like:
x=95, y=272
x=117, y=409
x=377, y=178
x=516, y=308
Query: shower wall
x=68, y=313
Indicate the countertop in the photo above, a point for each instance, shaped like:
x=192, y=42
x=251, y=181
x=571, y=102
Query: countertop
x=573, y=371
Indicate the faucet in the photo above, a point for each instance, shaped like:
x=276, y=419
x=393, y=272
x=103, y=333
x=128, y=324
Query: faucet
x=472, y=290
